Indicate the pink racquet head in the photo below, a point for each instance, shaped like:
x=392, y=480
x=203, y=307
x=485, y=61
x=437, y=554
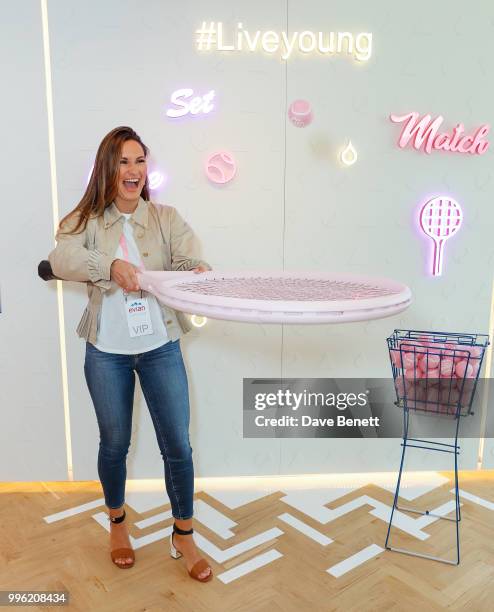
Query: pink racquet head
x=440, y=218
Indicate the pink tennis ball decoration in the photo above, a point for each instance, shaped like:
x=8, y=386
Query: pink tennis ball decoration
x=220, y=167
x=300, y=113
x=464, y=369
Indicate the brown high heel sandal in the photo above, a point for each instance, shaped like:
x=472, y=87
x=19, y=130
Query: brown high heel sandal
x=199, y=566
x=121, y=553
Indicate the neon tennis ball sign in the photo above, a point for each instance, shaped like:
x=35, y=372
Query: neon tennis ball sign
x=425, y=133
x=185, y=105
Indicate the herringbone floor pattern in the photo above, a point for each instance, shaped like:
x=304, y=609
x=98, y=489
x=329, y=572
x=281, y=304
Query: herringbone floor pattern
x=73, y=554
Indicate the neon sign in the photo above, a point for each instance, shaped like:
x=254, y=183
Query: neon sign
x=210, y=36
x=195, y=106
x=155, y=180
x=440, y=218
x=300, y=113
x=425, y=132
x=349, y=156
x=220, y=167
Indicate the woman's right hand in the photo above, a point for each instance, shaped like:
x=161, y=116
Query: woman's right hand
x=125, y=275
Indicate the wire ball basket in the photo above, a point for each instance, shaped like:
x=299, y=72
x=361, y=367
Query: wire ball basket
x=436, y=372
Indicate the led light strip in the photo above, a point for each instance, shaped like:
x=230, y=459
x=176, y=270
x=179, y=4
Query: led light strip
x=487, y=375
x=54, y=197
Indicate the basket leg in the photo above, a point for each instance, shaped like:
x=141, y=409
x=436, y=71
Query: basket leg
x=397, y=491
x=457, y=518
x=457, y=495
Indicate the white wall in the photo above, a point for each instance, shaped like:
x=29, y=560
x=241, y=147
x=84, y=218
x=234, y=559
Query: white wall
x=32, y=438
x=291, y=206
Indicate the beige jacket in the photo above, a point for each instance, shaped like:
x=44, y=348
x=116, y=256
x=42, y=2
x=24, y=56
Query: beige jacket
x=164, y=240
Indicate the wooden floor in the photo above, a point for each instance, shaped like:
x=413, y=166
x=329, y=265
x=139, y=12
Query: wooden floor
x=72, y=554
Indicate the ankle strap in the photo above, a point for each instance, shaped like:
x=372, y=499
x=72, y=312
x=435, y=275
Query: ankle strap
x=182, y=531
x=118, y=519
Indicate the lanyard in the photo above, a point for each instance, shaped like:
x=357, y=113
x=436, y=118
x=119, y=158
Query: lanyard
x=125, y=252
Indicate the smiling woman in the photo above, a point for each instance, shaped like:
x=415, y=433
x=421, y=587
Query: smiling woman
x=132, y=174
x=113, y=230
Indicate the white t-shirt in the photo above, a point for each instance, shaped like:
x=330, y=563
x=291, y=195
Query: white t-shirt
x=113, y=331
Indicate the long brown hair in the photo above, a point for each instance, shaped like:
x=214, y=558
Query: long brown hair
x=102, y=188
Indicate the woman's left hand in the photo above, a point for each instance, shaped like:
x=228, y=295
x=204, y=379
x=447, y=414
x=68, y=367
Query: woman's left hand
x=199, y=269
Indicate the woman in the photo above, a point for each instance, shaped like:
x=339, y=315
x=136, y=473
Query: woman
x=114, y=231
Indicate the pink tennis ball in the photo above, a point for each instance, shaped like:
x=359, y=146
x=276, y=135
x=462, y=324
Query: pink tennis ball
x=464, y=369
x=300, y=113
x=435, y=347
x=411, y=373
x=396, y=358
x=421, y=363
x=475, y=351
x=450, y=345
x=409, y=360
x=447, y=368
x=416, y=397
x=425, y=340
x=450, y=396
x=433, y=394
x=400, y=386
x=433, y=374
x=430, y=362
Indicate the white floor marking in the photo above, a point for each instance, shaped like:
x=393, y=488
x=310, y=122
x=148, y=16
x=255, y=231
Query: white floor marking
x=475, y=499
x=310, y=532
x=58, y=516
x=313, y=501
x=213, y=519
x=152, y=520
x=102, y=519
x=236, y=498
x=220, y=556
x=143, y=501
x=412, y=485
x=249, y=566
x=355, y=560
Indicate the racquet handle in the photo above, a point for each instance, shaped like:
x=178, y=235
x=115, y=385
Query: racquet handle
x=45, y=272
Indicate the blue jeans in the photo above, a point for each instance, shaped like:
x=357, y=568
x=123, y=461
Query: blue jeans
x=110, y=378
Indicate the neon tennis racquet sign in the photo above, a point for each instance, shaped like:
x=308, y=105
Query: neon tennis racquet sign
x=440, y=218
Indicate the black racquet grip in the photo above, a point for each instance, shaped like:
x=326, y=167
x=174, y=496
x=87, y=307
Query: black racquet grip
x=45, y=271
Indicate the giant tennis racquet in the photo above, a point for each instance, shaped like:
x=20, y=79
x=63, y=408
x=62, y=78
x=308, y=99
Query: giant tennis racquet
x=278, y=297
